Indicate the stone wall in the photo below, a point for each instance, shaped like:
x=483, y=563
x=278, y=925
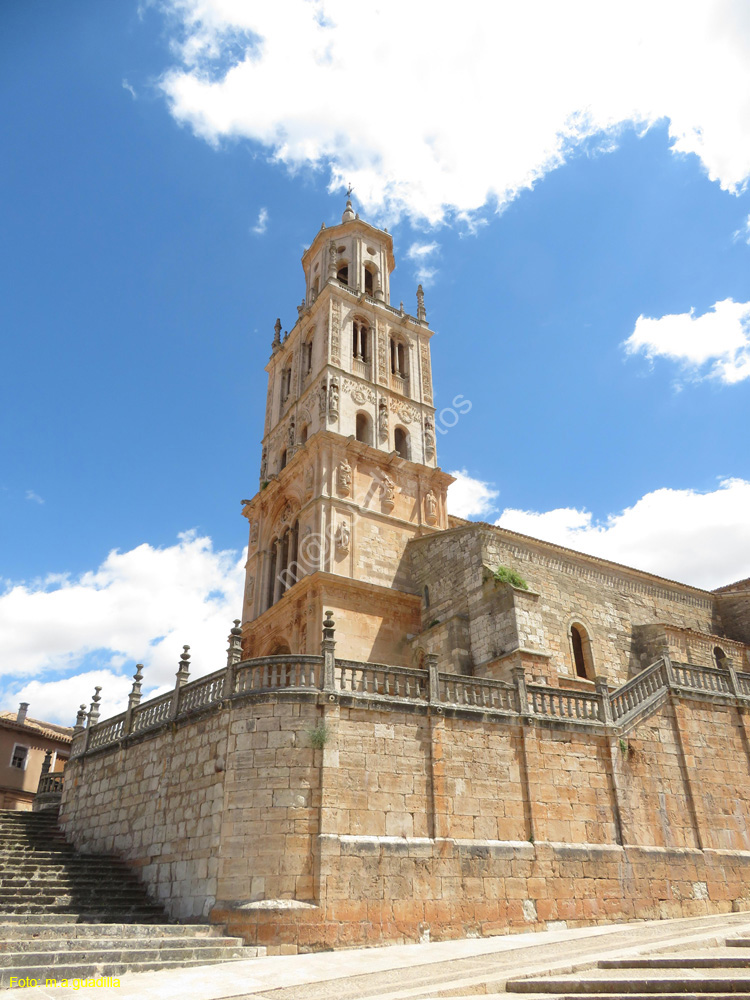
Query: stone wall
x=159, y=805
x=412, y=818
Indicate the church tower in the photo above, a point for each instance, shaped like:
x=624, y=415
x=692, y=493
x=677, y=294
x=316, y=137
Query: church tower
x=348, y=470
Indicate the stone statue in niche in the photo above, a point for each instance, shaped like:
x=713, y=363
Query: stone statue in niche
x=291, y=434
x=253, y=532
x=429, y=439
x=323, y=402
x=250, y=589
x=343, y=537
x=264, y=464
x=430, y=508
x=309, y=481
x=344, y=478
x=387, y=493
x=383, y=420
x=333, y=399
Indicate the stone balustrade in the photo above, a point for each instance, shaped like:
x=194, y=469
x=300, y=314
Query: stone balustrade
x=378, y=683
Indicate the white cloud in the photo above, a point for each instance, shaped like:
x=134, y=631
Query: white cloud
x=34, y=497
x=130, y=89
x=698, y=538
x=421, y=254
x=262, y=224
x=439, y=112
x=140, y=605
x=469, y=497
x=743, y=233
x=716, y=344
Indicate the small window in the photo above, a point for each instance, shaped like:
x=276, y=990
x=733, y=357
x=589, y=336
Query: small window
x=364, y=428
x=303, y=433
x=581, y=647
x=369, y=281
x=314, y=290
x=720, y=656
x=401, y=442
x=426, y=596
x=343, y=274
x=282, y=460
x=19, y=757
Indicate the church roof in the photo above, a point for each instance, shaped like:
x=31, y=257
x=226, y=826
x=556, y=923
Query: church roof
x=460, y=524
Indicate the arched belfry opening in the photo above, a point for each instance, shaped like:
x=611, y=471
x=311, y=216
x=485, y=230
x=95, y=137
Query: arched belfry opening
x=371, y=279
x=342, y=272
x=363, y=427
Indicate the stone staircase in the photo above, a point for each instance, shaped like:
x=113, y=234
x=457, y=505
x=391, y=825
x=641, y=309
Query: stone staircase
x=690, y=973
x=65, y=915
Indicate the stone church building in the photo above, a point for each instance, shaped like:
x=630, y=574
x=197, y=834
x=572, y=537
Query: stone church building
x=425, y=727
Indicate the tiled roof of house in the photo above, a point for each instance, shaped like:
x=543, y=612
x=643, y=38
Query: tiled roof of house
x=48, y=729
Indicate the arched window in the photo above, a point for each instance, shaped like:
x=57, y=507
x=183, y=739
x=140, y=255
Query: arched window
x=282, y=460
x=286, y=382
x=314, y=290
x=303, y=432
x=426, y=596
x=401, y=442
x=364, y=428
x=370, y=274
x=342, y=272
x=581, y=649
x=307, y=354
x=720, y=656
x=360, y=341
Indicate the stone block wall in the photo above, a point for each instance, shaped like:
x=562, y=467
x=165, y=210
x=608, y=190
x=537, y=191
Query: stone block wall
x=159, y=805
x=414, y=820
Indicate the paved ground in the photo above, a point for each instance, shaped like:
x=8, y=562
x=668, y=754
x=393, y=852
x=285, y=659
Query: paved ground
x=414, y=972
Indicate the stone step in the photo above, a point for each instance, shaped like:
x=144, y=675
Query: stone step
x=22, y=919
x=108, y=944
x=95, y=914
x=627, y=981
x=99, y=971
x=64, y=915
x=56, y=882
x=601, y=996
x=65, y=926
x=79, y=900
x=718, y=958
x=124, y=957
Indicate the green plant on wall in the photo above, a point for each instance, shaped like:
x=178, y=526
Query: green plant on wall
x=504, y=574
x=319, y=735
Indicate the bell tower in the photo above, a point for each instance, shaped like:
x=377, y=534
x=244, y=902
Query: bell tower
x=348, y=470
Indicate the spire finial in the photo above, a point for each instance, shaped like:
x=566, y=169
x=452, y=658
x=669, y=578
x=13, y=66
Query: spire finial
x=94, y=710
x=276, y=343
x=183, y=668
x=421, y=311
x=348, y=215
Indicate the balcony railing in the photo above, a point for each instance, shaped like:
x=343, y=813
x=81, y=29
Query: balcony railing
x=308, y=676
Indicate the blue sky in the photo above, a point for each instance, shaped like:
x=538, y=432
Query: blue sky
x=572, y=196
